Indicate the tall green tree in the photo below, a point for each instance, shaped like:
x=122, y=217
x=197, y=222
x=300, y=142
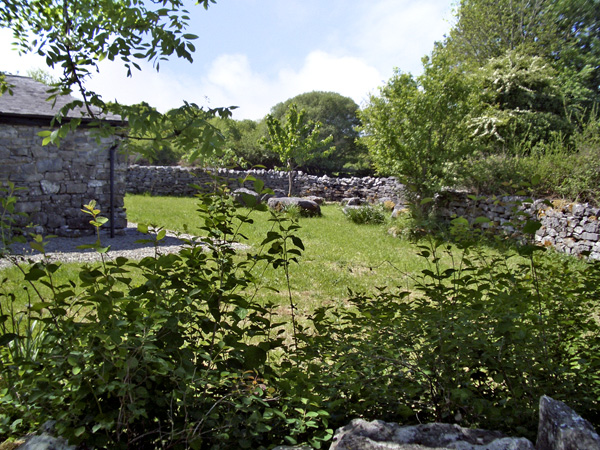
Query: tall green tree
x=75, y=36
x=534, y=66
x=415, y=129
x=295, y=140
x=564, y=32
x=521, y=100
x=242, y=140
x=338, y=116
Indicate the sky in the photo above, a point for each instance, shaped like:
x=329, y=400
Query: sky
x=254, y=54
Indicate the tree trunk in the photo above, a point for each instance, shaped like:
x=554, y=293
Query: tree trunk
x=290, y=177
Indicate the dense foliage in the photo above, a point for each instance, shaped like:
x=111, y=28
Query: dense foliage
x=476, y=344
x=186, y=359
x=520, y=80
x=415, y=128
x=189, y=358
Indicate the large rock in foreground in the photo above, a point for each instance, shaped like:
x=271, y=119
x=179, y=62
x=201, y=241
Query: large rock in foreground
x=561, y=428
x=378, y=435
x=307, y=207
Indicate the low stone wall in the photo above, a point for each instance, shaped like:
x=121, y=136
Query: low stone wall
x=568, y=227
x=571, y=228
x=177, y=181
x=58, y=181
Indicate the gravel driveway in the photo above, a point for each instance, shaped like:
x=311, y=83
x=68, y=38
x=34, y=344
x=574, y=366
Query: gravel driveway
x=65, y=249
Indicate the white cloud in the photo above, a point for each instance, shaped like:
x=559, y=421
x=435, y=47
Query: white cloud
x=322, y=71
x=398, y=33
x=12, y=62
x=232, y=80
x=352, y=60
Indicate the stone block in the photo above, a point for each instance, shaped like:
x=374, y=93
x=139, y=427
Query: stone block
x=590, y=236
x=379, y=435
x=55, y=221
x=52, y=164
x=77, y=188
x=97, y=183
x=49, y=187
x=562, y=428
x=55, y=176
x=28, y=207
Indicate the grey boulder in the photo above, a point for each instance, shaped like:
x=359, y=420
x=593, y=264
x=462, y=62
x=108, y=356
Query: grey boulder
x=246, y=197
x=307, y=207
x=561, y=428
x=379, y=435
x=45, y=441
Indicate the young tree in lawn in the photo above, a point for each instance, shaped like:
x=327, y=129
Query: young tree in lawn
x=295, y=140
x=338, y=116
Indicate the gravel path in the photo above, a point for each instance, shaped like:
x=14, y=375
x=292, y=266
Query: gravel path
x=65, y=249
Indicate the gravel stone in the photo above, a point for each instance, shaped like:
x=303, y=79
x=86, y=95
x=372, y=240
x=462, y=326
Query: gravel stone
x=122, y=245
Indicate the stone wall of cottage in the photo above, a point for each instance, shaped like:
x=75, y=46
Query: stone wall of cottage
x=57, y=181
x=178, y=181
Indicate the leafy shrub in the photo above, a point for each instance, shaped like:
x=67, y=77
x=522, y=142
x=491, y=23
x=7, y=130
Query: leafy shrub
x=366, y=214
x=291, y=211
x=180, y=361
x=568, y=170
x=477, y=343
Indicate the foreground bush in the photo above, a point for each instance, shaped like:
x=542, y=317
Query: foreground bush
x=477, y=343
x=180, y=361
x=189, y=358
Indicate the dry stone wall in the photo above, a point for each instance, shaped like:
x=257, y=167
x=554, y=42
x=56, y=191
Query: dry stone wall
x=58, y=181
x=571, y=228
x=177, y=181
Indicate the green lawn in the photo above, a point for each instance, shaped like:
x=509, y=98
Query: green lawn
x=339, y=255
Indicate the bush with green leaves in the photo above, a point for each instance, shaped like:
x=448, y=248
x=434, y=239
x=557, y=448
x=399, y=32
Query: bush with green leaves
x=366, y=214
x=478, y=341
x=183, y=360
x=567, y=169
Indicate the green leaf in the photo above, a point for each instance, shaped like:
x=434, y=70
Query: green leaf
x=7, y=338
x=297, y=242
x=460, y=221
x=254, y=357
x=258, y=186
x=35, y=274
x=531, y=226
x=37, y=246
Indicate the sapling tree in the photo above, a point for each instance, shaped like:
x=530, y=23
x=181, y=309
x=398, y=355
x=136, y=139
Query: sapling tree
x=295, y=140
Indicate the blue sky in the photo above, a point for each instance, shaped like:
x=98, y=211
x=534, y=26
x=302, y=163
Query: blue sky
x=256, y=53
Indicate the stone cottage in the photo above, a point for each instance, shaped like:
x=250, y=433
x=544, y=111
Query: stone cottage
x=57, y=180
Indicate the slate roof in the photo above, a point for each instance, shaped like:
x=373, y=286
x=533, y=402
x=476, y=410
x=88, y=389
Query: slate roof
x=28, y=103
